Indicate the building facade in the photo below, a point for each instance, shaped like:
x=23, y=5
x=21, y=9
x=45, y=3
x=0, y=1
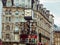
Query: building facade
x=56, y=37
x=25, y=22
x=45, y=24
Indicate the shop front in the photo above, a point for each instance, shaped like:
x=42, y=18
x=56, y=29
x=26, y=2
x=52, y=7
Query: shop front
x=43, y=39
x=28, y=39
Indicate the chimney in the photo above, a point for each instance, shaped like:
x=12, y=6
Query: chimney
x=47, y=12
x=41, y=5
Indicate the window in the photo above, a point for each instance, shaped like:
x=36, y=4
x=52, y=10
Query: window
x=10, y=12
x=28, y=0
x=8, y=19
x=6, y=12
x=9, y=3
x=2, y=26
x=21, y=12
x=16, y=28
x=7, y=27
x=16, y=3
x=22, y=19
x=16, y=19
x=34, y=16
x=17, y=12
x=21, y=26
x=23, y=3
x=16, y=37
x=7, y=36
x=28, y=4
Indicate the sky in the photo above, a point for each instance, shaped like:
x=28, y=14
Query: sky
x=54, y=7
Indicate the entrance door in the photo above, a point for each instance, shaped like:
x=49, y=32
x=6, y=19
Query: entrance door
x=40, y=37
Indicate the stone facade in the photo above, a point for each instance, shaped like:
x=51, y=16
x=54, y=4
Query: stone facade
x=14, y=23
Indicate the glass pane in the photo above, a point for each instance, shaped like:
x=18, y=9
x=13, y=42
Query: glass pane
x=23, y=3
x=16, y=3
x=17, y=12
x=16, y=37
x=9, y=3
x=16, y=28
x=16, y=19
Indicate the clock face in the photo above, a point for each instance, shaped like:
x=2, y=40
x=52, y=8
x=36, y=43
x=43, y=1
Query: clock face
x=28, y=12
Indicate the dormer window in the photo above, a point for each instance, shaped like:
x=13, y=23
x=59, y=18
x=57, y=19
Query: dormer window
x=9, y=3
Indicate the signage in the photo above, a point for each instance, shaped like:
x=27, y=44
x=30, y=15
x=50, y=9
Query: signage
x=28, y=14
x=24, y=36
x=32, y=36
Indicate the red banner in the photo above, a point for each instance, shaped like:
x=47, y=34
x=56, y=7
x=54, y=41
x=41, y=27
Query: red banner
x=24, y=36
x=32, y=36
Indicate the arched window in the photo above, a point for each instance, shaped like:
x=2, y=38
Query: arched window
x=17, y=12
x=16, y=28
x=9, y=3
x=7, y=27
